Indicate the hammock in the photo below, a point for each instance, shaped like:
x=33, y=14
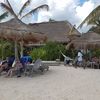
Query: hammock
x=66, y=57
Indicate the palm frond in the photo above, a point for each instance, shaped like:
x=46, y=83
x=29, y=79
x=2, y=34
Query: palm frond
x=92, y=17
x=7, y=3
x=45, y=6
x=8, y=8
x=11, y=9
x=24, y=6
x=98, y=23
x=4, y=15
x=95, y=29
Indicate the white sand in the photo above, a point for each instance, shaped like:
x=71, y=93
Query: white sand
x=60, y=83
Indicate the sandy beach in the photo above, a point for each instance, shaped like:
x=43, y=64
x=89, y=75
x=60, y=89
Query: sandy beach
x=59, y=83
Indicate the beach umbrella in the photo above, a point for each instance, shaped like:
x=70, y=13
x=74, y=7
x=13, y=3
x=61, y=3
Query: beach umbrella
x=17, y=31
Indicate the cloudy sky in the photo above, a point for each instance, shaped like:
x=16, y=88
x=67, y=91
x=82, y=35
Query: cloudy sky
x=75, y=11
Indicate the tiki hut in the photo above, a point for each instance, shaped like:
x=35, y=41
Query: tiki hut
x=87, y=41
x=17, y=31
x=57, y=31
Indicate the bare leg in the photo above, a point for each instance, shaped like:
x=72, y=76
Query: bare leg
x=8, y=73
x=11, y=73
x=1, y=69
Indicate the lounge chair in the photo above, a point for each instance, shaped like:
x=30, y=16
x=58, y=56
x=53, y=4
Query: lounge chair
x=36, y=67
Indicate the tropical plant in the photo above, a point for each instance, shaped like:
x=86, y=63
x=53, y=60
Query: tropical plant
x=6, y=49
x=51, y=51
x=96, y=52
x=4, y=15
x=93, y=18
x=37, y=53
x=95, y=29
x=8, y=8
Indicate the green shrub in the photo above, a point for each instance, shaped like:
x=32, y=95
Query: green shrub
x=38, y=53
x=96, y=52
x=51, y=51
x=6, y=49
x=71, y=53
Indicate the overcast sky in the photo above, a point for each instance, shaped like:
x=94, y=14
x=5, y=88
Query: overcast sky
x=75, y=11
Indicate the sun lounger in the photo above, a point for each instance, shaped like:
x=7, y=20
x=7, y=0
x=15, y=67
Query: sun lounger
x=36, y=67
x=39, y=66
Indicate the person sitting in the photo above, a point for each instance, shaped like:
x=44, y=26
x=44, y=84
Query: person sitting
x=16, y=69
x=95, y=62
x=10, y=62
x=24, y=60
x=6, y=65
x=3, y=66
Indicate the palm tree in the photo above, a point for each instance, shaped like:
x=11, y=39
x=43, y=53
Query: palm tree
x=8, y=8
x=93, y=18
x=5, y=14
x=95, y=29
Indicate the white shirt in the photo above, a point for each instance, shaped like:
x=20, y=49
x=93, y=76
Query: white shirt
x=80, y=55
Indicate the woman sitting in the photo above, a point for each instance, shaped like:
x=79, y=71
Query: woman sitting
x=3, y=66
x=16, y=69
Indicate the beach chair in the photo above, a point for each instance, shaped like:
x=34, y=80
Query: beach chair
x=44, y=67
x=39, y=66
x=36, y=67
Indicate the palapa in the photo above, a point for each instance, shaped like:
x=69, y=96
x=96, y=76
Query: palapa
x=56, y=31
x=87, y=40
x=15, y=30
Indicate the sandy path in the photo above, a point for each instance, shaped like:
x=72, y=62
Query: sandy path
x=60, y=83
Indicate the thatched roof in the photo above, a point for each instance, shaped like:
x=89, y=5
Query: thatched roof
x=87, y=40
x=55, y=31
x=15, y=29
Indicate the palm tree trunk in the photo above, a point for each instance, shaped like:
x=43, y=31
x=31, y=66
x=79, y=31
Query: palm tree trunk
x=2, y=53
x=21, y=46
x=16, y=50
